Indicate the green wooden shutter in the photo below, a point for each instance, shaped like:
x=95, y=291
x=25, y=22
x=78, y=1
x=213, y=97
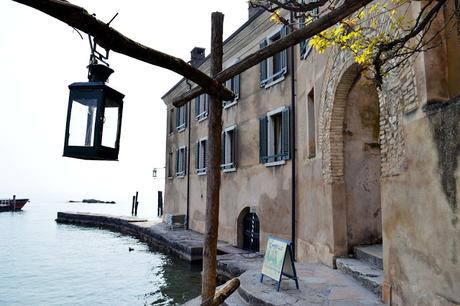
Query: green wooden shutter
x=205, y=153
x=185, y=160
x=197, y=106
x=285, y=134
x=263, y=139
x=284, y=53
x=185, y=114
x=235, y=147
x=177, y=116
x=197, y=156
x=177, y=161
x=263, y=66
x=237, y=87
x=222, y=148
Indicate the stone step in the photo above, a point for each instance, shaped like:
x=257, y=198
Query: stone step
x=366, y=274
x=372, y=254
x=235, y=300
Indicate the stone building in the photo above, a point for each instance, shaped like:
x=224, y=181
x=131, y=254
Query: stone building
x=315, y=154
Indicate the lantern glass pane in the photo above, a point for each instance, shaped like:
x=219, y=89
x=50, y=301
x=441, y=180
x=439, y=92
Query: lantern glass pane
x=110, y=129
x=82, y=122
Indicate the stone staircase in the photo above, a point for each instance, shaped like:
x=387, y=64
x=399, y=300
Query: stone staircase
x=366, y=266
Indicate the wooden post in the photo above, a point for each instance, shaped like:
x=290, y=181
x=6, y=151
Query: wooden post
x=213, y=180
x=136, y=203
x=160, y=204
x=132, y=206
x=14, y=202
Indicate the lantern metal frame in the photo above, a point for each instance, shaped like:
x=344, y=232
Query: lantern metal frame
x=105, y=96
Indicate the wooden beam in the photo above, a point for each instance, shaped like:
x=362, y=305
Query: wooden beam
x=110, y=39
x=317, y=26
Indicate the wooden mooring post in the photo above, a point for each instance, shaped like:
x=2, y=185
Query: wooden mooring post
x=160, y=204
x=136, y=204
x=14, y=202
x=133, y=205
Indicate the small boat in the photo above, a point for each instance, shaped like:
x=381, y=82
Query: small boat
x=12, y=204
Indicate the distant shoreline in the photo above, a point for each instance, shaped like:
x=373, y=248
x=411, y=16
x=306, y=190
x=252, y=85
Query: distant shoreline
x=92, y=201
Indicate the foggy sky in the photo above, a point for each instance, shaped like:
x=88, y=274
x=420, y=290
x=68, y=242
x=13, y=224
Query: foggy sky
x=40, y=56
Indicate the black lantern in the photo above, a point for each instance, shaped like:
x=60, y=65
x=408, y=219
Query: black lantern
x=94, y=117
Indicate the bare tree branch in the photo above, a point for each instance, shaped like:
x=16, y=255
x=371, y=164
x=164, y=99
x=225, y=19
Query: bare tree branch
x=293, y=6
x=311, y=29
x=110, y=39
x=420, y=25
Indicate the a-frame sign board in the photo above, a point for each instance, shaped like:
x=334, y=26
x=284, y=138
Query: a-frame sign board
x=279, y=261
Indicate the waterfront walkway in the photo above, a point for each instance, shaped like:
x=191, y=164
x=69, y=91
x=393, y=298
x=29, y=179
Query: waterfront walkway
x=319, y=284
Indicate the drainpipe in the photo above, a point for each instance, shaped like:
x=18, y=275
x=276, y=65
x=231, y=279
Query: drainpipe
x=293, y=140
x=189, y=111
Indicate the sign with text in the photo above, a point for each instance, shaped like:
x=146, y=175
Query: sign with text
x=279, y=261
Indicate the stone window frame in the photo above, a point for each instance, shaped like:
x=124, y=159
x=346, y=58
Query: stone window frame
x=267, y=145
x=229, y=149
x=312, y=130
x=201, y=156
x=233, y=84
x=181, y=161
x=170, y=165
x=181, y=118
x=268, y=77
x=171, y=126
x=201, y=107
x=304, y=47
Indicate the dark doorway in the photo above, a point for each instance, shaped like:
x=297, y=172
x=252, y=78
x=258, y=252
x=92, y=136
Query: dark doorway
x=251, y=230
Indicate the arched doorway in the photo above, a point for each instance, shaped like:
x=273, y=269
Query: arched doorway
x=361, y=168
x=248, y=231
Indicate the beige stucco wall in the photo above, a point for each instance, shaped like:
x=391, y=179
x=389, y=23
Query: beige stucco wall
x=421, y=230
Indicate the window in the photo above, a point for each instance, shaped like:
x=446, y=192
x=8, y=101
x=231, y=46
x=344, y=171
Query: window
x=234, y=85
x=274, y=137
x=275, y=67
x=228, y=157
x=311, y=125
x=304, y=45
x=201, y=107
x=201, y=158
x=181, y=161
x=181, y=118
x=170, y=165
x=171, y=121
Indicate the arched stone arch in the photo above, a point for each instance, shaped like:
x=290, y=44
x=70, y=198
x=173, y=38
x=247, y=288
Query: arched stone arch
x=341, y=72
x=397, y=97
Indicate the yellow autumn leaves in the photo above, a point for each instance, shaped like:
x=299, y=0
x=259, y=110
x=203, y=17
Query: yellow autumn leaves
x=362, y=33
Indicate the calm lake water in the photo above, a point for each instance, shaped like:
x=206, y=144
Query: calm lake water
x=45, y=263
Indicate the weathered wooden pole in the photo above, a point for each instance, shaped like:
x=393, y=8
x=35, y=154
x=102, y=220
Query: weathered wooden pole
x=213, y=180
x=132, y=206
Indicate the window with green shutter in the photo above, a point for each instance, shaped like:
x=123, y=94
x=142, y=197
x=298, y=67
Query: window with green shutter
x=234, y=85
x=274, y=68
x=181, y=118
x=170, y=165
x=304, y=45
x=201, y=107
x=181, y=161
x=201, y=156
x=275, y=136
x=229, y=149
